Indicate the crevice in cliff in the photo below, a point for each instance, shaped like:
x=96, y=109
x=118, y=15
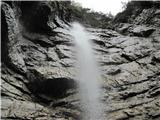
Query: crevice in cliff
x=4, y=39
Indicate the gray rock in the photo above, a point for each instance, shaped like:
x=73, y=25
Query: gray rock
x=123, y=28
x=39, y=81
x=64, y=51
x=52, y=55
x=15, y=55
x=142, y=31
x=144, y=16
x=16, y=109
x=12, y=23
x=156, y=57
x=38, y=39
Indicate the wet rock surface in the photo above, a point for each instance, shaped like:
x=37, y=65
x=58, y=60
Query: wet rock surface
x=38, y=74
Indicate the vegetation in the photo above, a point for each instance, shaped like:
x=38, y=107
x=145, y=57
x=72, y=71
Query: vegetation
x=90, y=17
x=133, y=9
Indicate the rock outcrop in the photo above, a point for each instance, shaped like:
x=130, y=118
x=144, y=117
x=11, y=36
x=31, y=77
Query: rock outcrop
x=38, y=65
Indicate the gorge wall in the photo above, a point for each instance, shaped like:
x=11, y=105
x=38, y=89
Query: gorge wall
x=37, y=58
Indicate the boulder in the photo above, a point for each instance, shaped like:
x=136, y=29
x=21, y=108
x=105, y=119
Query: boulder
x=142, y=31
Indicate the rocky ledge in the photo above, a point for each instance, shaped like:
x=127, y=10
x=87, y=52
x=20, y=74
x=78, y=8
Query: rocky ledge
x=38, y=74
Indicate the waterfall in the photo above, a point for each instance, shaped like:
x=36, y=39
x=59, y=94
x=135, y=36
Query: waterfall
x=88, y=77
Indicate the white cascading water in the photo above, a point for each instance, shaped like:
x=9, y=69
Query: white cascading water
x=87, y=74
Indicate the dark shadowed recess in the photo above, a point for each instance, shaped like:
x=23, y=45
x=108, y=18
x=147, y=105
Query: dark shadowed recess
x=34, y=16
x=56, y=88
x=4, y=38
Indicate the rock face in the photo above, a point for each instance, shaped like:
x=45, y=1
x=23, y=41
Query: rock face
x=38, y=73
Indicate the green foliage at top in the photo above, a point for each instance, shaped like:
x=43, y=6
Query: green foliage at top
x=89, y=17
x=134, y=8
